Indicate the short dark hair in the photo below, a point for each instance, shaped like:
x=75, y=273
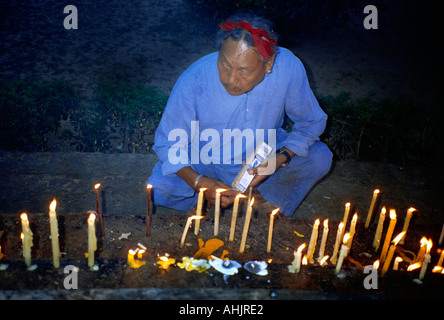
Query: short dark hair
x=240, y=34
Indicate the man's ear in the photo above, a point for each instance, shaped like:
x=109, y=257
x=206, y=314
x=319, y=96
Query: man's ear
x=269, y=63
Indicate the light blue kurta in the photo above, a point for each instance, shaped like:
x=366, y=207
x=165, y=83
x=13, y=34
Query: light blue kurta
x=198, y=97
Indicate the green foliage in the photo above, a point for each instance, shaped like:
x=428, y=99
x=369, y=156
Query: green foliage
x=31, y=109
x=383, y=130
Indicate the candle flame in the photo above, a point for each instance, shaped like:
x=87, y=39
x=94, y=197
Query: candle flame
x=301, y=247
x=347, y=205
x=383, y=210
x=304, y=260
x=429, y=245
x=316, y=223
x=53, y=205
x=24, y=216
x=398, y=259
x=97, y=186
x=437, y=269
x=270, y=260
x=275, y=211
x=414, y=266
x=22, y=236
x=251, y=202
x=240, y=195
x=398, y=238
x=92, y=217
x=392, y=214
x=326, y=223
x=220, y=190
x=376, y=191
x=376, y=265
x=196, y=217
x=411, y=209
x=341, y=226
x=346, y=237
x=355, y=217
x=202, y=189
x=149, y=186
x=132, y=252
x=423, y=241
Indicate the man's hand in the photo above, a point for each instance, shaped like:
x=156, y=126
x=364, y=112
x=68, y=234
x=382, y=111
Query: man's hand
x=280, y=159
x=190, y=176
x=226, y=198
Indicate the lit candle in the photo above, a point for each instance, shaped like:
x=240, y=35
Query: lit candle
x=199, y=209
x=54, y=234
x=376, y=265
x=370, y=210
x=378, y=233
x=234, y=215
x=441, y=258
x=324, y=240
x=92, y=240
x=217, y=211
x=313, y=241
x=391, y=251
x=396, y=263
x=441, y=237
x=406, y=223
x=296, y=264
x=135, y=264
x=99, y=210
x=26, y=239
x=164, y=262
x=426, y=260
x=338, y=241
x=388, y=235
x=352, y=229
x=346, y=212
x=187, y=226
x=422, y=250
x=148, y=209
x=246, y=225
x=270, y=229
x=343, y=253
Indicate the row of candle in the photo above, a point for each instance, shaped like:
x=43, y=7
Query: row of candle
x=387, y=252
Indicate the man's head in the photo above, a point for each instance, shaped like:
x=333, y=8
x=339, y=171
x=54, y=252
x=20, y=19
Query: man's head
x=247, y=52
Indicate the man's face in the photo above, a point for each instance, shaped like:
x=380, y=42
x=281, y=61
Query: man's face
x=241, y=67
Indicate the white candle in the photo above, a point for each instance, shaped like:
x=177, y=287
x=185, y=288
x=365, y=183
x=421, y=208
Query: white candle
x=378, y=233
x=234, y=215
x=187, y=226
x=442, y=235
x=246, y=225
x=370, y=210
x=217, y=211
x=391, y=251
x=92, y=240
x=396, y=263
x=426, y=260
x=406, y=223
x=388, y=235
x=352, y=229
x=313, y=241
x=26, y=239
x=298, y=256
x=270, y=229
x=343, y=253
x=338, y=241
x=54, y=234
x=324, y=240
x=346, y=212
x=199, y=209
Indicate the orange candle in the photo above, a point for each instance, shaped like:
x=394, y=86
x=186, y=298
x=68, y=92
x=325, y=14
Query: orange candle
x=370, y=210
x=388, y=235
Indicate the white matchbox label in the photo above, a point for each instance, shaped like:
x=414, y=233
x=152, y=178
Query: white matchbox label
x=243, y=179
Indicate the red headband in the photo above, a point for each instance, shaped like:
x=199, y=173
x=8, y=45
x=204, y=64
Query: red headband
x=261, y=39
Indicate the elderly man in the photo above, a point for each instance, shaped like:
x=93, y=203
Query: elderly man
x=246, y=87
